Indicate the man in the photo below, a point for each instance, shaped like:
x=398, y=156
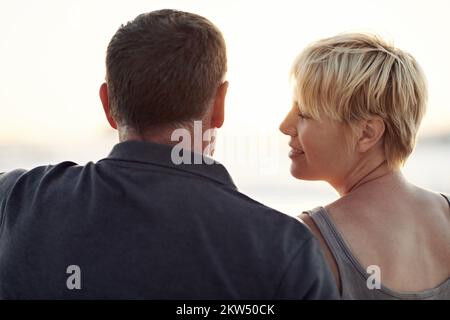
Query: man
x=146, y=222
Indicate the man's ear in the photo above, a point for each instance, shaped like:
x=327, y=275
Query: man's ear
x=372, y=131
x=105, y=102
x=218, y=114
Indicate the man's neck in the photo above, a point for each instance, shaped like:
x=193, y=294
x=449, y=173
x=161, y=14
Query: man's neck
x=167, y=135
x=155, y=134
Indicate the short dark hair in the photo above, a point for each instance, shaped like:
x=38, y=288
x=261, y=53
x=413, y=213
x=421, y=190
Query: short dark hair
x=164, y=67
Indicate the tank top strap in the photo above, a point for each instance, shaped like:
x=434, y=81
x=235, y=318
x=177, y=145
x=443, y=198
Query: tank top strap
x=350, y=270
x=353, y=275
x=446, y=197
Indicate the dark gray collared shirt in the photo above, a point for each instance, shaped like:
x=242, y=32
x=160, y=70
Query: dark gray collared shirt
x=136, y=226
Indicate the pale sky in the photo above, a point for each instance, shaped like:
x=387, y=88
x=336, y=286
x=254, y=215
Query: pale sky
x=52, y=57
x=52, y=64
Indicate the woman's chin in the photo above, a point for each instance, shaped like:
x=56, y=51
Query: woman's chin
x=301, y=174
x=298, y=175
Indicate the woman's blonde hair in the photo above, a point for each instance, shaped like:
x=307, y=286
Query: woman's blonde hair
x=351, y=76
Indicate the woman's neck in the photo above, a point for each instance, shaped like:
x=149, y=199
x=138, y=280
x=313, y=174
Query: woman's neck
x=366, y=175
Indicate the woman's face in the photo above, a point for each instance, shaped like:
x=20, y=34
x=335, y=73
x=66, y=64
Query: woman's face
x=318, y=147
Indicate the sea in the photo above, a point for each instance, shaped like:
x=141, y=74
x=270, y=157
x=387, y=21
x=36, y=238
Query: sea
x=264, y=177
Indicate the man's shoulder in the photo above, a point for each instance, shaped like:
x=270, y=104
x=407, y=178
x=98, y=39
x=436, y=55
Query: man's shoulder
x=8, y=175
x=258, y=215
x=10, y=178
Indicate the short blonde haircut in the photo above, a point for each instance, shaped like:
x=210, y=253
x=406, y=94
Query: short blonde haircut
x=351, y=76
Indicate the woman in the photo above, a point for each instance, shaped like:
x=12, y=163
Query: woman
x=357, y=105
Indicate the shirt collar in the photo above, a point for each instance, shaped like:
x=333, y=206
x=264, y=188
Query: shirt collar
x=160, y=154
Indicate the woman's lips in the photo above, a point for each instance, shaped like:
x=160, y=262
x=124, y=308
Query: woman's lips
x=295, y=153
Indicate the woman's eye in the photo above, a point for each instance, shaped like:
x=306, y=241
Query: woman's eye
x=301, y=115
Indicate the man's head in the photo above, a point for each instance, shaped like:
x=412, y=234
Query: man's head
x=165, y=69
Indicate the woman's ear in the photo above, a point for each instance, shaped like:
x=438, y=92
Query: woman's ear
x=105, y=102
x=372, y=131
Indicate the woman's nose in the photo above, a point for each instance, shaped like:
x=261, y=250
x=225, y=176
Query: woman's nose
x=287, y=126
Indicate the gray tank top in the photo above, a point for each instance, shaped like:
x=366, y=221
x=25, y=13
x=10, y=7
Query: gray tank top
x=354, y=277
